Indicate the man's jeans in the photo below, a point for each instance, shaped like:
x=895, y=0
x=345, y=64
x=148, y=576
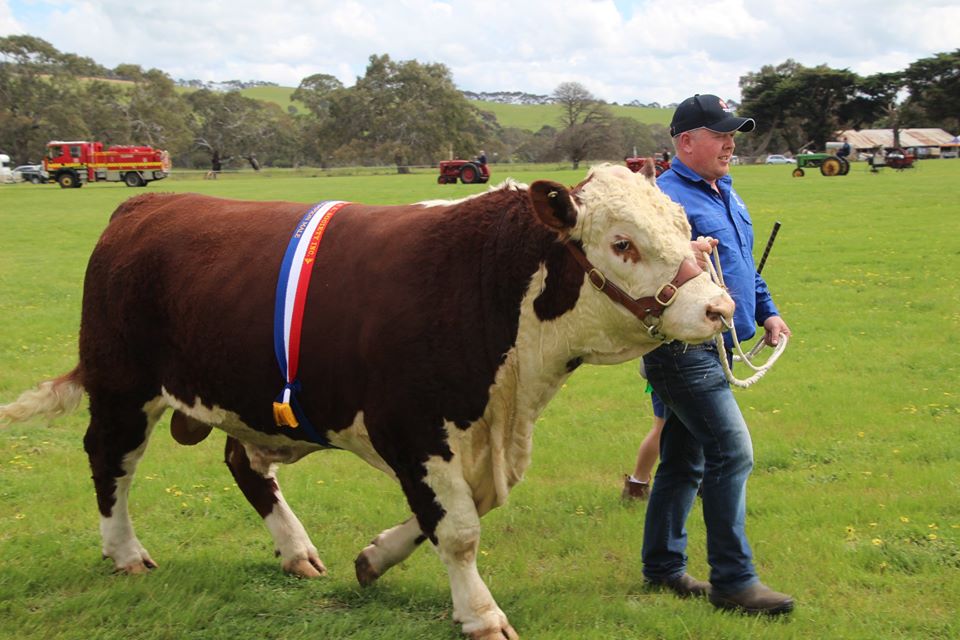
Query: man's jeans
x=704, y=439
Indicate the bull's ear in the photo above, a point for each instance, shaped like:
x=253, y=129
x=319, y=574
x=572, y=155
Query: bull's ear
x=649, y=171
x=553, y=205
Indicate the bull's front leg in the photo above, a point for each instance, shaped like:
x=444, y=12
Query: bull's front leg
x=256, y=477
x=457, y=539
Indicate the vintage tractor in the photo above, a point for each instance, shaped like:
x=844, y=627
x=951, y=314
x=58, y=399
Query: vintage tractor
x=468, y=171
x=899, y=159
x=636, y=164
x=830, y=165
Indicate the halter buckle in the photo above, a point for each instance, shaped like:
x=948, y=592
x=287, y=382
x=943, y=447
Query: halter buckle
x=669, y=300
x=601, y=278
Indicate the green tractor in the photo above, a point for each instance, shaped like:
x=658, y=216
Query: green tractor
x=830, y=165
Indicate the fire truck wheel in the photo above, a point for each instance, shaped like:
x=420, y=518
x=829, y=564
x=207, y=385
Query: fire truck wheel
x=133, y=179
x=67, y=180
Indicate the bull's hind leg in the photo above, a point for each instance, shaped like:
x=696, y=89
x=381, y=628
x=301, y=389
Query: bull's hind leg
x=387, y=549
x=120, y=425
x=254, y=470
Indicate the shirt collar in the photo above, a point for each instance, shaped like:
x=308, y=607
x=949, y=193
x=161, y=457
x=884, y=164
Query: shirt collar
x=689, y=174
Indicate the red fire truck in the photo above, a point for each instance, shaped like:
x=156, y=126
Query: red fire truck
x=72, y=163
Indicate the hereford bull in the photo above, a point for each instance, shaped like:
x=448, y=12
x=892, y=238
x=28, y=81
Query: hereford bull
x=433, y=335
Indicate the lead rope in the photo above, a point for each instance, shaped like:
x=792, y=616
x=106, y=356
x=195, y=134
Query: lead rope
x=716, y=273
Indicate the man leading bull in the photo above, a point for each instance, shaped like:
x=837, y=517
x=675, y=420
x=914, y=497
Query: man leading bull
x=705, y=438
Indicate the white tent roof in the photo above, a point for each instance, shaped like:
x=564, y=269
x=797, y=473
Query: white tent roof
x=871, y=138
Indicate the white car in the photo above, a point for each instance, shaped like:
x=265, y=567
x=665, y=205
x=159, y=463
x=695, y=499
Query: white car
x=776, y=158
x=30, y=173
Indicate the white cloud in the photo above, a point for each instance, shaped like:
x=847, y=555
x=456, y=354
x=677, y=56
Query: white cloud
x=620, y=50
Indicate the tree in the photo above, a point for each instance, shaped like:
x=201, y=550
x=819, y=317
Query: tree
x=934, y=85
x=314, y=92
x=156, y=113
x=34, y=86
x=401, y=112
x=231, y=127
x=584, y=122
x=798, y=106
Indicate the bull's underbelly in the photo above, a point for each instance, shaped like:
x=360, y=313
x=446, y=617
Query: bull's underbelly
x=491, y=454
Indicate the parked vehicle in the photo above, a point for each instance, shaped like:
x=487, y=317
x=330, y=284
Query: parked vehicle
x=469, y=172
x=70, y=164
x=30, y=173
x=635, y=164
x=828, y=164
x=5, y=174
x=776, y=158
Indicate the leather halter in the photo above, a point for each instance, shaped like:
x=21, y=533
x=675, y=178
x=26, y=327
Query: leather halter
x=643, y=308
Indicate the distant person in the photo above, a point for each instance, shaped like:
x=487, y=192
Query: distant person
x=878, y=159
x=482, y=158
x=844, y=150
x=665, y=154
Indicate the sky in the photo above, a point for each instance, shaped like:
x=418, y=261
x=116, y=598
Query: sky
x=619, y=50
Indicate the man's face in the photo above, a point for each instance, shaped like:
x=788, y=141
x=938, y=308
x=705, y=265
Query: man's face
x=707, y=152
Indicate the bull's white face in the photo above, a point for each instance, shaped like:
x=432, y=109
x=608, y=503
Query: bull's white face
x=637, y=236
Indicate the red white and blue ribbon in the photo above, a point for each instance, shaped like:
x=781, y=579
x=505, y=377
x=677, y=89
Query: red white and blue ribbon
x=292, y=285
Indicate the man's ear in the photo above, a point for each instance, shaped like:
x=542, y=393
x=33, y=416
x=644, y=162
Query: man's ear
x=553, y=205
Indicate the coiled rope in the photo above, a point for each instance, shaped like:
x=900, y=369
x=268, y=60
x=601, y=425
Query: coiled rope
x=713, y=266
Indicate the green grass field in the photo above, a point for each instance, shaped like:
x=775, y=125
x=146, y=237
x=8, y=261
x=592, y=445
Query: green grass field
x=854, y=504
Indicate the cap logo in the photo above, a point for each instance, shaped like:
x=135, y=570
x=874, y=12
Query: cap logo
x=723, y=105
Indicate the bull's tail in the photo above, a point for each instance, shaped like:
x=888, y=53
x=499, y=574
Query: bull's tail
x=50, y=399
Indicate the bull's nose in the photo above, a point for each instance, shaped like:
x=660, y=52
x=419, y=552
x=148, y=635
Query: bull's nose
x=721, y=307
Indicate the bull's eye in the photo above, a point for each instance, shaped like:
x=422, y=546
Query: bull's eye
x=626, y=250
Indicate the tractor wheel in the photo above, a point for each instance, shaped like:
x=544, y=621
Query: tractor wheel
x=798, y=173
x=845, y=168
x=831, y=167
x=133, y=179
x=469, y=173
x=68, y=180
x=441, y=180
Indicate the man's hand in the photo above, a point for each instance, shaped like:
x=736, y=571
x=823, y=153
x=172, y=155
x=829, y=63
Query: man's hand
x=701, y=246
x=773, y=327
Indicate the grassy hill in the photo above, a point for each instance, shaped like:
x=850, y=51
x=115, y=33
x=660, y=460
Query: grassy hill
x=520, y=116
x=279, y=95
x=534, y=116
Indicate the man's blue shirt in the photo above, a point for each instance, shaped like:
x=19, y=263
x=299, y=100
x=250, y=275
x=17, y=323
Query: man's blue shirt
x=724, y=216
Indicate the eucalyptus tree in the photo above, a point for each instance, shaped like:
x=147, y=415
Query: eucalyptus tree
x=584, y=123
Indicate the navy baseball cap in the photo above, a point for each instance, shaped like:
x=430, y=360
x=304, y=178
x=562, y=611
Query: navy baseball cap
x=710, y=112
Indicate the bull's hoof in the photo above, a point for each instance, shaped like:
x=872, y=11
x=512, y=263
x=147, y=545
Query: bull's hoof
x=366, y=574
x=137, y=567
x=504, y=633
x=309, y=567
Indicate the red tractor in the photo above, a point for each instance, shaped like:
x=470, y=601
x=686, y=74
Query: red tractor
x=636, y=164
x=469, y=172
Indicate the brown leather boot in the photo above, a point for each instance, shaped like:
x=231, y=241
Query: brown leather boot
x=685, y=586
x=758, y=598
